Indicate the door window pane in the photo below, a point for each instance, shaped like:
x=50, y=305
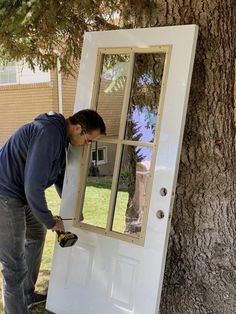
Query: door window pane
x=98, y=187
x=111, y=92
x=145, y=95
x=132, y=188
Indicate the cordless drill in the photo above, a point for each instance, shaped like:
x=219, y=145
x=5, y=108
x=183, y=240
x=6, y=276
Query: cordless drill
x=66, y=239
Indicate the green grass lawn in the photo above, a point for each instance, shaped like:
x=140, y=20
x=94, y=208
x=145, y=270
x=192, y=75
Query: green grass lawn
x=97, y=194
x=96, y=204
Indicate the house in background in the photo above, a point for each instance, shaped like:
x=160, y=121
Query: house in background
x=24, y=94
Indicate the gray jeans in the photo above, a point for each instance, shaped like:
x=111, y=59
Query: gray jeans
x=22, y=239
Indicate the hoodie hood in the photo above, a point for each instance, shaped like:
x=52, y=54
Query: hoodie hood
x=56, y=119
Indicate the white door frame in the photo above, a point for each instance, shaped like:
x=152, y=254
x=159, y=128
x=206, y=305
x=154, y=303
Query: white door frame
x=74, y=269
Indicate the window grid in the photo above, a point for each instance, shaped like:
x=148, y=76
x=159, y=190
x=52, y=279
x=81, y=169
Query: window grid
x=120, y=141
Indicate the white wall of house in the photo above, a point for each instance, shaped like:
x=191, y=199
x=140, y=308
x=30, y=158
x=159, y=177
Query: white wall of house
x=20, y=73
x=27, y=76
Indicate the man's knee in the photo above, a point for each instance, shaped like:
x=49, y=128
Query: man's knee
x=14, y=275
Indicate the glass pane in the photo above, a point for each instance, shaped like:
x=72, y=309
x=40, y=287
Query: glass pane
x=12, y=77
x=100, y=154
x=94, y=155
x=4, y=77
x=98, y=187
x=113, y=79
x=144, y=99
x=8, y=73
x=132, y=188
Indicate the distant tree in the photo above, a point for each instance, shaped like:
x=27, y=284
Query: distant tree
x=40, y=31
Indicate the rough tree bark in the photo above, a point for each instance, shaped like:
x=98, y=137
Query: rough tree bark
x=200, y=273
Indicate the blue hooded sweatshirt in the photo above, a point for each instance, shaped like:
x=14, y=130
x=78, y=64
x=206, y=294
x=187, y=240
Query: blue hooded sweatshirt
x=32, y=160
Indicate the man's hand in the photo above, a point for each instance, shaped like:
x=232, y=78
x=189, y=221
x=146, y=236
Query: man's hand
x=59, y=226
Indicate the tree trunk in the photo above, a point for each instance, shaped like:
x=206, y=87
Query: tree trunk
x=200, y=273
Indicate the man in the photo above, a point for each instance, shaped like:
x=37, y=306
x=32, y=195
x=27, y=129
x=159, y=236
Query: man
x=33, y=159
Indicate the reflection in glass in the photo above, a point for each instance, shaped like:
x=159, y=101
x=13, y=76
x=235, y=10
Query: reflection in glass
x=98, y=184
x=144, y=98
x=113, y=79
x=132, y=188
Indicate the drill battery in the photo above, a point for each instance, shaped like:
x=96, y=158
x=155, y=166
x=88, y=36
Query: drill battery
x=66, y=239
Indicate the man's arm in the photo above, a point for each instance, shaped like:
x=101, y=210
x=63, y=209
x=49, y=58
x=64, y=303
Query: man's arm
x=42, y=152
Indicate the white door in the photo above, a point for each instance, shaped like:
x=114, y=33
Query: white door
x=139, y=81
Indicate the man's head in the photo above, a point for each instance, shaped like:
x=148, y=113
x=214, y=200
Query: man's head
x=85, y=126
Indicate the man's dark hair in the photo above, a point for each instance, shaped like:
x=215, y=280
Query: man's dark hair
x=89, y=120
